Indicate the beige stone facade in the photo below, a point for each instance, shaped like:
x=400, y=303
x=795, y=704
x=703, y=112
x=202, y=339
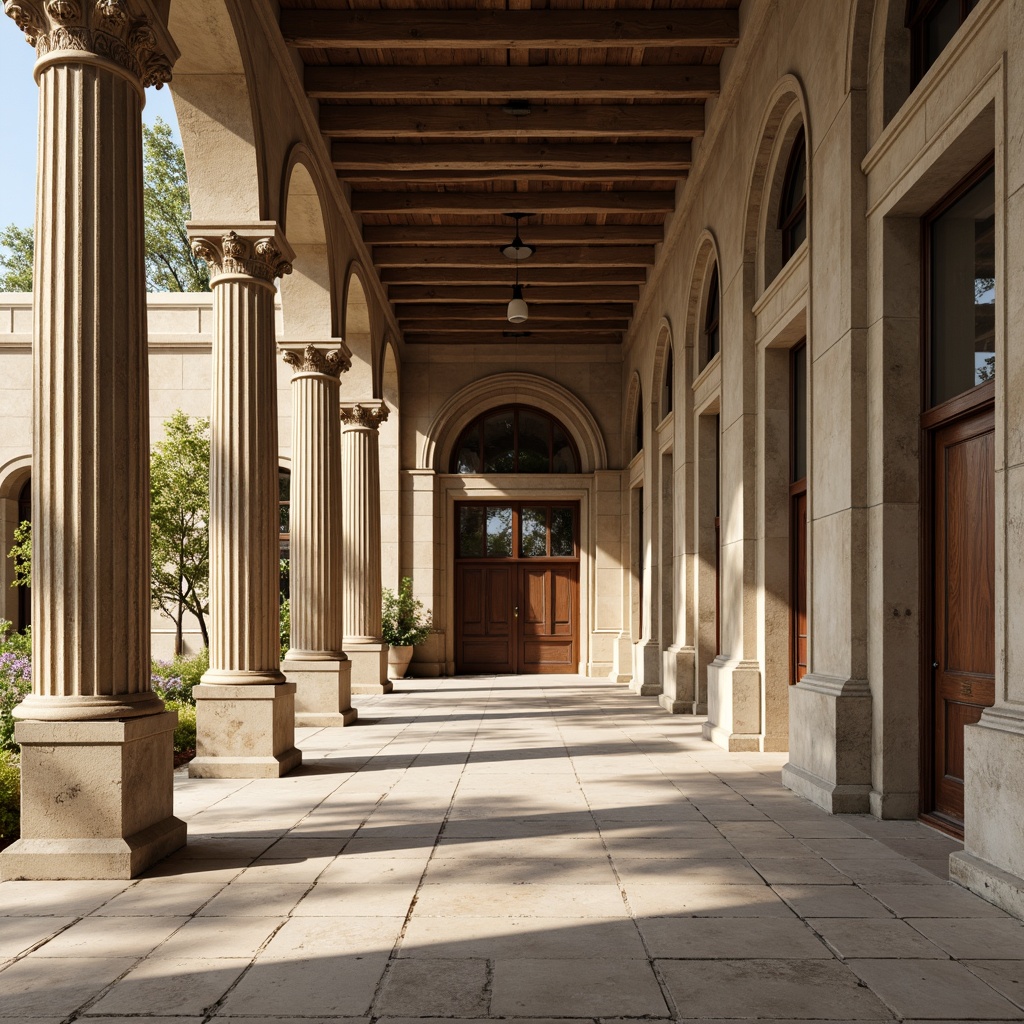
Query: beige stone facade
x=685, y=484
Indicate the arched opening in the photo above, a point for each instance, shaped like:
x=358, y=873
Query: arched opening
x=785, y=225
x=711, y=335
x=24, y=619
x=515, y=439
x=389, y=432
x=358, y=333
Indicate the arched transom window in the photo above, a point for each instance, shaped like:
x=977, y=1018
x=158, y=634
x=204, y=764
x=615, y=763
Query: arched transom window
x=515, y=439
x=793, y=208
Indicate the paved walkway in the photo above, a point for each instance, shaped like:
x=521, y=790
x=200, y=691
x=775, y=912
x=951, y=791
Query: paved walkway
x=515, y=847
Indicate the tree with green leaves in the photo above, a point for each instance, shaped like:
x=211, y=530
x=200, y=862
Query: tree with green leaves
x=16, y=253
x=180, y=514
x=171, y=266
x=21, y=555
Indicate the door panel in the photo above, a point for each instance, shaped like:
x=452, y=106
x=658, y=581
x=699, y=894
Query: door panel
x=963, y=630
x=547, y=616
x=483, y=599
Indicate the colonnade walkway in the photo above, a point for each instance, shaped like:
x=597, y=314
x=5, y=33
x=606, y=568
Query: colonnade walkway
x=515, y=847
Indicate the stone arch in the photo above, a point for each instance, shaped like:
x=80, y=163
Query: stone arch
x=785, y=114
x=509, y=389
x=307, y=294
x=705, y=259
x=888, y=63
x=220, y=134
x=663, y=353
x=14, y=474
x=634, y=403
x=357, y=330
x=390, y=466
x=858, y=45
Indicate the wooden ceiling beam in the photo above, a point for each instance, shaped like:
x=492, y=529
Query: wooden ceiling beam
x=501, y=234
x=496, y=322
x=547, y=256
x=502, y=275
x=466, y=176
x=513, y=337
x=511, y=156
x=540, y=82
x=507, y=30
x=579, y=314
x=493, y=203
x=623, y=120
x=454, y=295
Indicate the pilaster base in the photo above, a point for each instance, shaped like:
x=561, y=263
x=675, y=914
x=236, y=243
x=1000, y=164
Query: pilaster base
x=96, y=799
x=323, y=691
x=244, y=731
x=992, y=861
x=830, y=743
x=677, y=674
x=646, y=668
x=734, y=705
x=369, y=667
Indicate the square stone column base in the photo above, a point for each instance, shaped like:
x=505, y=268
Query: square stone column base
x=830, y=743
x=369, y=667
x=677, y=675
x=97, y=798
x=244, y=731
x=992, y=861
x=734, y=705
x=323, y=691
x=646, y=668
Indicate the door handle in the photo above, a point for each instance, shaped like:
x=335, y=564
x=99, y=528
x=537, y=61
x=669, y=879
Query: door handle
x=935, y=664
x=515, y=612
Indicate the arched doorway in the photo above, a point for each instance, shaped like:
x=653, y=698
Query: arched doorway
x=517, y=563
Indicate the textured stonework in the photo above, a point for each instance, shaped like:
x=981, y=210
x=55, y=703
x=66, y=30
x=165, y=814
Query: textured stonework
x=244, y=733
x=361, y=525
x=91, y=657
x=315, y=661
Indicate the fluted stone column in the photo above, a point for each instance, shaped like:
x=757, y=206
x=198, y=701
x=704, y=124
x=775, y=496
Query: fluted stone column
x=245, y=710
x=97, y=744
x=360, y=472
x=315, y=662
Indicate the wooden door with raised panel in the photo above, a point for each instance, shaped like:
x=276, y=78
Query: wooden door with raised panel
x=485, y=609
x=963, y=600
x=547, y=617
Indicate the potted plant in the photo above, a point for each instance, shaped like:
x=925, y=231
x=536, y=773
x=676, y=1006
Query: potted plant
x=404, y=624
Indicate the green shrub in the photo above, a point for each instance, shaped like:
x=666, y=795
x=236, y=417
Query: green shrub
x=174, y=680
x=10, y=796
x=403, y=621
x=185, y=731
x=286, y=627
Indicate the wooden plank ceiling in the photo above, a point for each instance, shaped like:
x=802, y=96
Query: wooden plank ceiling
x=444, y=116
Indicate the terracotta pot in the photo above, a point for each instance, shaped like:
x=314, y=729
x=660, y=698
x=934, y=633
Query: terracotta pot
x=398, y=661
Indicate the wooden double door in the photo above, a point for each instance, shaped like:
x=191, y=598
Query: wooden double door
x=960, y=648
x=517, y=588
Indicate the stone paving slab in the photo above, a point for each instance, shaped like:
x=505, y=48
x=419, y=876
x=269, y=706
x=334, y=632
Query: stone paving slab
x=521, y=849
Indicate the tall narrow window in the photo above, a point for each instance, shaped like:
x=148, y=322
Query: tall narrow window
x=284, y=506
x=712, y=338
x=25, y=593
x=798, y=513
x=667, y=385
x=961, y=252
x=932, y=25
x=638, y=426
x=793, y=207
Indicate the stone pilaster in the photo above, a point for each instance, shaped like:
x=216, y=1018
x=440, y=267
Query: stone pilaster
x=360, y=470
x=96, y=742
x=315, y=662
x=245, y=710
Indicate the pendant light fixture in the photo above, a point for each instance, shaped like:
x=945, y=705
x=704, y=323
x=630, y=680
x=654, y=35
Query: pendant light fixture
x=517, y=251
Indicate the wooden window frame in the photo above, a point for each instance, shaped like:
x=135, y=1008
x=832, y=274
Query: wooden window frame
x=517, y=539
x=916, y=22
x=515, y=408
x=789, y=218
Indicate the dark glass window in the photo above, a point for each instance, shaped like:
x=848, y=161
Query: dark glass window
x=667, y=385
x=932, y=24
x=471, y=531
x=516, y=531
x=793, y=208
x=712, y=338
x=533, y=526
x=798, y=431
x=960, y=246
x=284, y=506
x=499, y=532
x=563, y=539
x=515, y=439
x=638, y=426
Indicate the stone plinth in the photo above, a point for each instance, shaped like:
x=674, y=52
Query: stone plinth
x=646, y=668
x=734, y=704
x=323, y=691
x=244, y=732
x=95, y=797
x=678, y=665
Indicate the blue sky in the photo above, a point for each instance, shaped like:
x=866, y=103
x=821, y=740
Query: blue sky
x=18, y=125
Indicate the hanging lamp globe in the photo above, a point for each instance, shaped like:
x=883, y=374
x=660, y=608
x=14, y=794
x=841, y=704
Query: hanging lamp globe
x=518, y=311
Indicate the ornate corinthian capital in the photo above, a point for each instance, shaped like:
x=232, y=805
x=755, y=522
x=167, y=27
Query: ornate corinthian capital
x=364, y=414
x=331, y=363
x=126, y=32
x=259, y=252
